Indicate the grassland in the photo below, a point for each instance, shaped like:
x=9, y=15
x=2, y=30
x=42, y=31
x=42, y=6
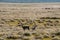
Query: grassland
x=32, y=21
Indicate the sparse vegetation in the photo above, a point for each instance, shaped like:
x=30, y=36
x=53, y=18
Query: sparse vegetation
x=29, y=22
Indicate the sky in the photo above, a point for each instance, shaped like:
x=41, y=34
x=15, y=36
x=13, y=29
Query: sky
x=29, y=1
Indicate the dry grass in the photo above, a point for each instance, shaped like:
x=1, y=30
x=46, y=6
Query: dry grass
x=30, y=21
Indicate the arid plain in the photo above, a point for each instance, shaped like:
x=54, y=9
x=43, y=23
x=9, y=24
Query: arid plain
x=29, y=21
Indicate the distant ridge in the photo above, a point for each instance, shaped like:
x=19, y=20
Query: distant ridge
x=28, y=1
